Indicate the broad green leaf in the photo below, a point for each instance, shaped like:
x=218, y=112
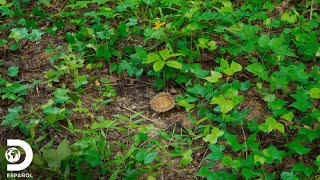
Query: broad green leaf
x=264, y=41
x=93, y=157
x=249, y=173
x=268, y=5
x=269, y=97
x=273, y=153
x=314, y=93
x=194, y=27
x=38, y=160
x=3, y=2
x=300, y=167
x=212, y=45
x=174, y=64
x=6, y=11
x=165, y=54
x=290, y=19
x=150, y=157
x=152, y=57
x=186, y=157
x=289, y=116
x=280, y=127
x=235, y=27
x=215, y=76
x=13, y=71
x=298, y=148
x=202, y=43
x=141, y=154
x=35, y=35
x=63, y=150
x=259, y=159
x=157, y=66
x=233, y=142
x=227, y=7
x=270, y=125
x=52, y=158
x=227, y=160
x=234, y=67
x=258, y=70
x=226, y=106
x=288, y=176
x=18, y=33
x=302, y=104
x=213, y=137
x=216, y=152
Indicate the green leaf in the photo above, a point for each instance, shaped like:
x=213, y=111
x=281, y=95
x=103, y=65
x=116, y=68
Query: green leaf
x=215, y=76
x=157, y=66
x=227, y=160
x=233, y=142
x=290, y=19
x=35, y=35
x=99, y=1
x=258, y=70
x=141, y=154
x=213, y=137
x=13, y=71
x=152, y=57
x=93, y=157
x=202, y=43
x=51, y=157
x=12, y=118
x=6, y=11
x=174, y=64
x=303, y=102
x=273, y=153
x=234, y=67
x=225, y=105
x=150, y=157
x=317, y=162
x=268, y=5
x=280, y=127
x=307, y=170
x=314, y=93
x=194, y=27
x=264, y=41
x=289, y=116
x=212, y=45
x=288, y=176
x=38, y=160
x=249, y=173
x=63, y=150
x=186, y=157
x=259, y=159
x=298, y=148
x=18, y=33
x=3, y=2
x=165, y=54
x=216, y=152
x=269, y=97
x=270, y=125
x=80, y=81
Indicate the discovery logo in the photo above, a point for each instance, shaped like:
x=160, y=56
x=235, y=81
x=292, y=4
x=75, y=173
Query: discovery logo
x=13, y=156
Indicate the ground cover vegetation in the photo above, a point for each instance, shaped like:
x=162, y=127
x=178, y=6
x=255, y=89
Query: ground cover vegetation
x=77, y=76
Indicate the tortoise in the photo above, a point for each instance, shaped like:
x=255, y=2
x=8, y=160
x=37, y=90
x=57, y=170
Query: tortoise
x=162, y=102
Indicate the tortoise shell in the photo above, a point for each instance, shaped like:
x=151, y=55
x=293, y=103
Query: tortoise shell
x=162, y=102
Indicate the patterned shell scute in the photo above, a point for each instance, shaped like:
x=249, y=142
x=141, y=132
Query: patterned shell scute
x=162, y=102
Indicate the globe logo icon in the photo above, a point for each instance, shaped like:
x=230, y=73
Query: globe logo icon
x=13, y=155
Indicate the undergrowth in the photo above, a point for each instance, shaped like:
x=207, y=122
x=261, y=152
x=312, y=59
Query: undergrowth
x=247, y=71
